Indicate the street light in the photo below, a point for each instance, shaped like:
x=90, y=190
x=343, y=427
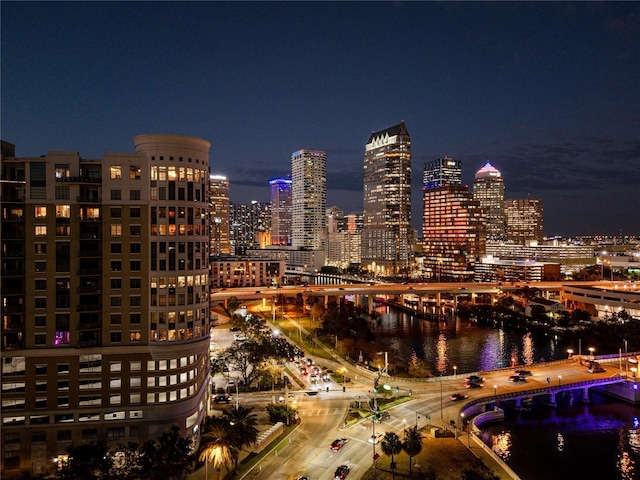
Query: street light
x=560, y=380
x=570, y=352
x=495, y=391
x=591, y=350
x=455, y=369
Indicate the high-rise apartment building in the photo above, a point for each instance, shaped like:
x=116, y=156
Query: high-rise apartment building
x=488, y=191
x=344, y=240
x=524, y=220
x=453, y=224
x=386, y=233
x=219, y=215
x=105, y=310
x=309, y=199
x=280, y=211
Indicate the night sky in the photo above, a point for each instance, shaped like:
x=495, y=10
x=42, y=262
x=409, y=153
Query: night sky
x=549, y=93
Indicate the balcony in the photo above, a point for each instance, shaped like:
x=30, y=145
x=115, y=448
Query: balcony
x=78, y=180
x=88, y=199
x=93, y=307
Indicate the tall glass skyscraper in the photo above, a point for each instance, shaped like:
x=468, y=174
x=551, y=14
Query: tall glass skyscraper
x=280, y=211
x=309, y=199
x=219, y=215
x=386, y=231
x=488, y=191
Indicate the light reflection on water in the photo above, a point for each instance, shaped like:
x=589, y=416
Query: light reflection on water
x=469, y=346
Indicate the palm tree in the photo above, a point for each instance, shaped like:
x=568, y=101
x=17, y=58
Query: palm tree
x=242, y=423
x=218, y=448
x=391, y=446
x=412, y=444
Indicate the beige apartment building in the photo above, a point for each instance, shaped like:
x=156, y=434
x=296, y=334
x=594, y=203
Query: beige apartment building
x=105, y=311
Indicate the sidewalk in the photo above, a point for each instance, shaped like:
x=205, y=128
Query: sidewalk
x=479, y=450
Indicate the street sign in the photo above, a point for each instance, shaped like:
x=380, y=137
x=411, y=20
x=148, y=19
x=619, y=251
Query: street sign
x=376, y=457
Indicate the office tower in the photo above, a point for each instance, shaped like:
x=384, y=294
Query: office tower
x=105, y=333
x=219, y=215
x=442, y=172
x=453, y=224
x=344, y=240
x=354, y=222
x=386, y=232
x=309, y=199
x=524, y=220
x=336, y=221
x=488, y=191
x=280, y=211
x=249, y=225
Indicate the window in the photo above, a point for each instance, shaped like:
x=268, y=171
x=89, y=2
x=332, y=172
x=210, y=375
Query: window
x=115, y=172
x=40, y=248
x=134, y=230
x=116, y=319
x=116, y=230
x=116, y=265
x=41, y=230
x=40, y=320
x=134, y=172
x=116, y=212
x=116, y=283
x=40, y=339
x=41, y=302
x=116, y=301
x=41, y=266
x=135, y=300
x=134, y=318
x=62, y=192
x=41, y=284
x=134, y=195
x=135, y=283
x=116, y=195
x=134, y=265
x=63, y=211
x=134, y=248
x=134, y=212
x=116, y=337
x=116, y=248
x=135, y=336
x=41, y=211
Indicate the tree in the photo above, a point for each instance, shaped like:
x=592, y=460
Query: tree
x=166, y=458
x=478, y=471
x=412, y=444
x=391, y=446
x=242, y=422
x=232, y=305
x=217, y=446
x=247, y=359
x=279, y=412
x=85, y=461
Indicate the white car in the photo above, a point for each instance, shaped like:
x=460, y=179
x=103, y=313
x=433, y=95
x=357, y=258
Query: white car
x=376, y=438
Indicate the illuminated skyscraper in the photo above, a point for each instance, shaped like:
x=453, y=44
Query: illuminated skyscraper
x=386, y=233
x=280, y=211
x=219, y=215
x=453, y=224
x=488, y=191
x=309, y=199
x=524, y=220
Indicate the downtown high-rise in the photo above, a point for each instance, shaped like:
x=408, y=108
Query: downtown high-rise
x=386, y=233
x=488, y=191
x=219, y=215
x=105, y=307
x=308, y=199
x=453, y=224
x=280, y=211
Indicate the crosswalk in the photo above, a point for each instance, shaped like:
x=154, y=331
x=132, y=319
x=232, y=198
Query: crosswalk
x=317, y=412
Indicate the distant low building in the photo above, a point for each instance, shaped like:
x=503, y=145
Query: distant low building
x=549, y=306
x=232, y=271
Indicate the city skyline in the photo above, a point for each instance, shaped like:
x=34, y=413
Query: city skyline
x=546, y=92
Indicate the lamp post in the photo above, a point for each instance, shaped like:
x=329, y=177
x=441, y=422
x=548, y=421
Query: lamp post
x=570, y=352
x=455, y=370
x=495, y=391
x=559, y=380
x=591, y=350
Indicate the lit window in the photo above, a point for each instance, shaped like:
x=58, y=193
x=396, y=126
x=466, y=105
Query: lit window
x=134, y=172
x=63, y=211
x=115, y=172
x=41, y=212
x=116, y=230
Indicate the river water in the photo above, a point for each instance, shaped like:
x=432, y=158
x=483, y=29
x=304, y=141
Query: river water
x=595, y=441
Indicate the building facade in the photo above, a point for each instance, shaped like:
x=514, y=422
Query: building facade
x=250, y=225
x=525, y=220
x=219, y=215
x=387, y=247
x=105, y=312
x=442, y=172
x=231, y=271
x=309, y=199
x=488, y=191
x=280, y=211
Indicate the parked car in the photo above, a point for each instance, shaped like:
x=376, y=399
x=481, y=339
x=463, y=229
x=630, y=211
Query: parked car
x=341, y=472
x=222, y=399
x=517, y=379
x=458, y=396
x=338, y=443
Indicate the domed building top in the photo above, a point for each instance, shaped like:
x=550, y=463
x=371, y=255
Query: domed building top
x=488, y=171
